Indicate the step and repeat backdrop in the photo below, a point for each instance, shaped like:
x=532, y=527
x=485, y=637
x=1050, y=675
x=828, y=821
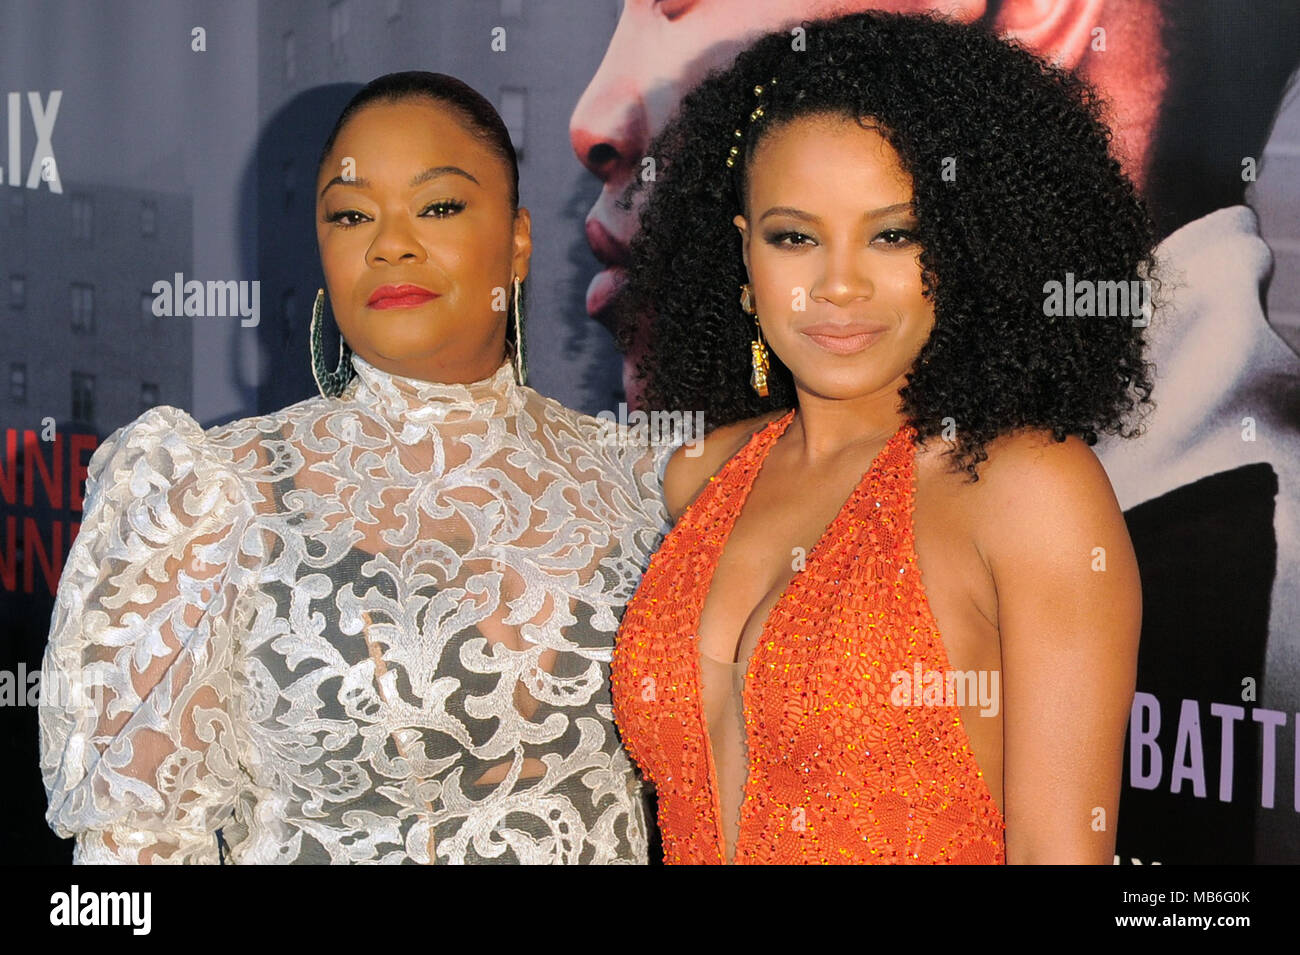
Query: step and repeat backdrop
x=146, y=146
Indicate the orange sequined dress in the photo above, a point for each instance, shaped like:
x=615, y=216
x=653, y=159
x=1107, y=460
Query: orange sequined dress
x=834, y=766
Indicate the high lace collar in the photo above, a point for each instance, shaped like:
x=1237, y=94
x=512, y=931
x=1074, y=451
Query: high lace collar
x=415, y=407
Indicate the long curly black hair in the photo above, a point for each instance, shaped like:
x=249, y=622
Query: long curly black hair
x=1036, y=194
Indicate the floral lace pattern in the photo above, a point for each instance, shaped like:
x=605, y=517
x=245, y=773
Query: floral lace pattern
x=368, y=629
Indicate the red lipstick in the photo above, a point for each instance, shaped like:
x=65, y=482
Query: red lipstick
x=400, y=296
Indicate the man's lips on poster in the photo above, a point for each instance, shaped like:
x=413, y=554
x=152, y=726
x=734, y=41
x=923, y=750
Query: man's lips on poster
x=611, y=252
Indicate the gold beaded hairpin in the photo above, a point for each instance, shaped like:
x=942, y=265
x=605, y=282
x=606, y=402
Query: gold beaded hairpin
x=758, y=111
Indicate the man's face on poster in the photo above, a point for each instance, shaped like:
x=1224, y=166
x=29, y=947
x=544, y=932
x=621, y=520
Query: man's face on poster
x=662, y=48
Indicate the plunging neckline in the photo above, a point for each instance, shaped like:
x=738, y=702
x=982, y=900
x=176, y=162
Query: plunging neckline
x=767, y=439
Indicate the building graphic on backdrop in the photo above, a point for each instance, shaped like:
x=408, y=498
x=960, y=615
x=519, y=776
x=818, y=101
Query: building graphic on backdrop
x=85, y=352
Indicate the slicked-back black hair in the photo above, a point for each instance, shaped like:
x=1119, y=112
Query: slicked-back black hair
x=480, y=116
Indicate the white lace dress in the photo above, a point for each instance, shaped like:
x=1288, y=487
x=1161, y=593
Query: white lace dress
x=375, y=628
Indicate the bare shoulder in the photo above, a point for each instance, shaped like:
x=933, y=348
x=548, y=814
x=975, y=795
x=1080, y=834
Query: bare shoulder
x=691, y=465
x=1031, y=465
x=1035, y=490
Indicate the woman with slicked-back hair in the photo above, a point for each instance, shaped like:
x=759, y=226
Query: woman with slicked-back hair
x=374, y=626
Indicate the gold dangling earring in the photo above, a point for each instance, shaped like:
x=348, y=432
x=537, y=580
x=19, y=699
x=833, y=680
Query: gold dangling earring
x=758, y=359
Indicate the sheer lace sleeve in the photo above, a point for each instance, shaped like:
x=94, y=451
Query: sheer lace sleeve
x=654, y=465
x=138, y=747
x=647, y=465
x=642, y=454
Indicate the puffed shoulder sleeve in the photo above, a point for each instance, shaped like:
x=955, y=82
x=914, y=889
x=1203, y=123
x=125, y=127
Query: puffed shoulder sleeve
x=138, y=748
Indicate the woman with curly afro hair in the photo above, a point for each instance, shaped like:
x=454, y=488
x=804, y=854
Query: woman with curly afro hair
x=897, y=619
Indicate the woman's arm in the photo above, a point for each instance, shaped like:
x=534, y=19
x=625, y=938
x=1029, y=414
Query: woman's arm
x=138, y=749
x=1069, y=618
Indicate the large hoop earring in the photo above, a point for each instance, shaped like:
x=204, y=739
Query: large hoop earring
x=330, y=382
x=759, y=362
x=521, y=351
